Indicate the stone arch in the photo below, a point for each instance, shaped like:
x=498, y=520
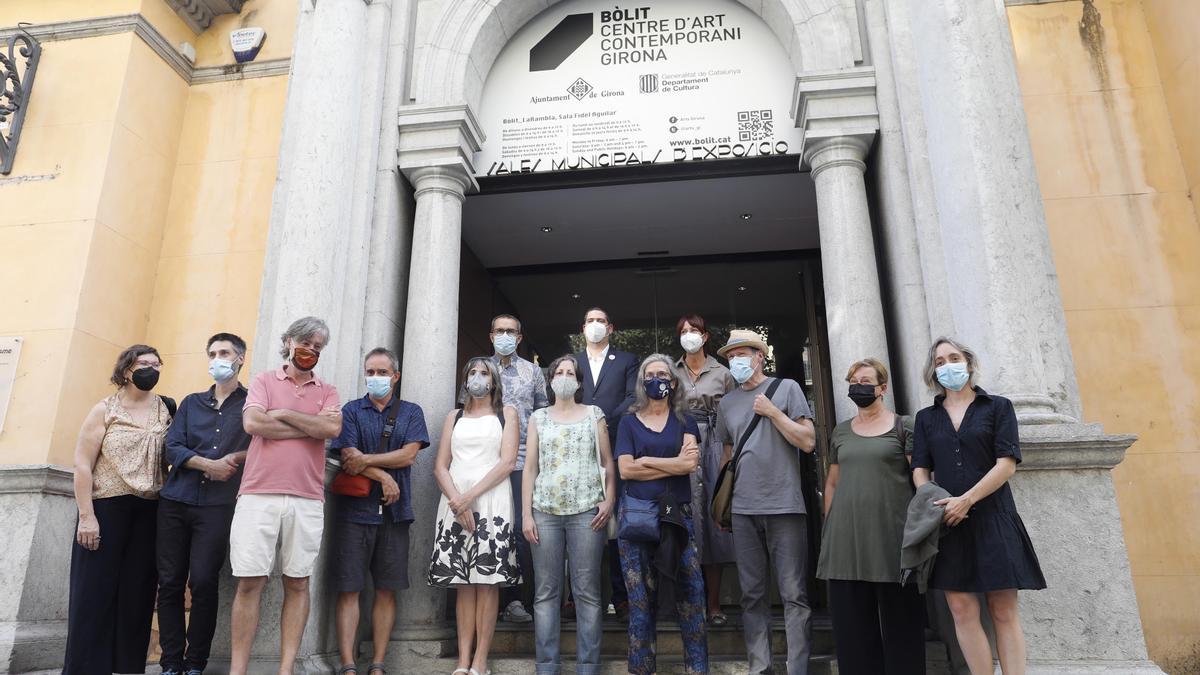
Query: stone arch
x=466, y=37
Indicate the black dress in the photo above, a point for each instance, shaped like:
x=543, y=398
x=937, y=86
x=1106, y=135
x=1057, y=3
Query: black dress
x=990, y=550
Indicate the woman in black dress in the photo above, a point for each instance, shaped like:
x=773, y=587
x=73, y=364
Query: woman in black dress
x=968, y=440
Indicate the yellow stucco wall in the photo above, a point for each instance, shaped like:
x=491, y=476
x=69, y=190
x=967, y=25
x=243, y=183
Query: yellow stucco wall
x=1174, y=27
x=136, y=212
x=1126, y=242
x=210, y=266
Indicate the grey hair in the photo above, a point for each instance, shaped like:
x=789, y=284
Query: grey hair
x=384, y=351
x=302, y=329
x=676, y=401
x=930, y=372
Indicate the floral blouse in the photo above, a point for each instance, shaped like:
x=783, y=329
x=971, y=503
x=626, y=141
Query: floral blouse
x=569, y=472
x=130, y=461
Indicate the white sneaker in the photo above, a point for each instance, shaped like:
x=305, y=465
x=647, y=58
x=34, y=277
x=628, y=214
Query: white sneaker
x=515, y=613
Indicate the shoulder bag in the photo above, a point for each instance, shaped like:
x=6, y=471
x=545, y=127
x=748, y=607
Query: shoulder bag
x=722, y=499
x=360, y=486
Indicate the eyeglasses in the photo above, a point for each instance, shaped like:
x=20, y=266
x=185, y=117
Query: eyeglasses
x=658, y=378
x=147, y=364
x=513, y=332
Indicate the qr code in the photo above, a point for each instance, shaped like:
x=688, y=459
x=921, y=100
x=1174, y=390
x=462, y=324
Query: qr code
x=755, y=125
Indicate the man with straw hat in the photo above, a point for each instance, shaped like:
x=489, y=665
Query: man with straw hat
x=766, y=419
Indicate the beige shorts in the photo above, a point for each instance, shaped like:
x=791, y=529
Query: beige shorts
x=260, y=522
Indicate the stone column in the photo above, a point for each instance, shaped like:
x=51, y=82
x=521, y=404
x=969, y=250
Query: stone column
x=1001, y=282
x=853, y=302
x=436, y=146
x=318, y=252
x=985, y=234
x=838, y=113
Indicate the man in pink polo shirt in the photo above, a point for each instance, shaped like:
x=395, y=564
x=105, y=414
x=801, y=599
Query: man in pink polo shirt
x=290, y=413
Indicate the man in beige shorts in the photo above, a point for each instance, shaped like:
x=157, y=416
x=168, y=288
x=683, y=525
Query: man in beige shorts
x=290, y=413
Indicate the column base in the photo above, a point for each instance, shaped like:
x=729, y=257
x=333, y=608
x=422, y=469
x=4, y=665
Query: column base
x=1087, y=619
x=37, y=516
x=32, y=645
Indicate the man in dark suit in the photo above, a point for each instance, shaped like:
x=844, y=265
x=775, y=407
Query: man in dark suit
x=609, y=383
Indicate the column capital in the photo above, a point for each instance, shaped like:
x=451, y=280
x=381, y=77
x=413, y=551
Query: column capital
x=450, y=179
x=836, y=106
x=442, y=137
x=825, y=153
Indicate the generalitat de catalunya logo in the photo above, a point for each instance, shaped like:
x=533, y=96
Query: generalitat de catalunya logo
x=561, y=42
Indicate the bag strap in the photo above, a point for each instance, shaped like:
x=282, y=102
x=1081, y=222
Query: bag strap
x=901, y=432
x=459, y=415
x=389, y=426
x=771, y=388
x=169, y=402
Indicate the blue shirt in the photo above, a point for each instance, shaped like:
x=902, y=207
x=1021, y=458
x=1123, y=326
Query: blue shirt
x=636, y=440
x=524, y=388
x=362, y=428
x=201, y=429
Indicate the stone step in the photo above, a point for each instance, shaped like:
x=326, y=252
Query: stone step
x=518, y=639
x=667, y=665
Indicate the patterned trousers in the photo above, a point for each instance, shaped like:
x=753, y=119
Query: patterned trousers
x=641, y=580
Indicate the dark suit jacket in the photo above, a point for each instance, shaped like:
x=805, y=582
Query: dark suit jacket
x=615, y=391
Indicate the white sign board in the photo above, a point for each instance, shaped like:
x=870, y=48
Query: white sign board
x=590, y=84
x=10, y=352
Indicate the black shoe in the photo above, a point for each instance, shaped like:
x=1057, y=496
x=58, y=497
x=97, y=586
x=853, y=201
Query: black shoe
x=172, y=671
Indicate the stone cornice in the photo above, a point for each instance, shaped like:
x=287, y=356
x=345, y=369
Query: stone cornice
x=1071, y=446
x=198, y=14
x=138, y=25
x=37, y=479
x=838, y=103
x=439, y=137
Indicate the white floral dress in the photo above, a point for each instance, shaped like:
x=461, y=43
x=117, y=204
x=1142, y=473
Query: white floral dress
x=487, y=556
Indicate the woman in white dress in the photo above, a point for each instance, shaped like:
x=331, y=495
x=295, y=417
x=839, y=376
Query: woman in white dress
x=474, y=547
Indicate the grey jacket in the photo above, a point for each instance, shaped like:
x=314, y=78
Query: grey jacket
x=922, y=528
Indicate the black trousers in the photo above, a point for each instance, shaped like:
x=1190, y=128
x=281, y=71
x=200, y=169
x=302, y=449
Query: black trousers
x=524, y=591
x=112, y=591
x=192, y=544
x=879, y=628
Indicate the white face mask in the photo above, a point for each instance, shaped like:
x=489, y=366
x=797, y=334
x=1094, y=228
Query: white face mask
x=691, y=342
x=564, y=386
x=595, y=332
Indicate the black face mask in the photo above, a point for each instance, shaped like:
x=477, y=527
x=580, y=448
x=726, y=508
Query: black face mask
x=145, y=378
x=863, y=395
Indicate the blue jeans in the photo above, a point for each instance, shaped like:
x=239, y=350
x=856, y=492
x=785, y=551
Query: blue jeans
x=641, y=579
x=573, y=538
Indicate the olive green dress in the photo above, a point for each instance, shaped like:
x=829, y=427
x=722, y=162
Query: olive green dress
x=865, y=524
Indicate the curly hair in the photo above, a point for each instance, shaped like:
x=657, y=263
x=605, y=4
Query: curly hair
x=126, y=359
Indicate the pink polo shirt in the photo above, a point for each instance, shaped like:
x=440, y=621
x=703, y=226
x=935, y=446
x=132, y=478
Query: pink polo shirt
x=290, y=466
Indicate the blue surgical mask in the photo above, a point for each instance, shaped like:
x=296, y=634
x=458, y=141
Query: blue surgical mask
x=741, y=369
x=953, y=376
x=505, y=344
x=378, y=386
x=221, y=370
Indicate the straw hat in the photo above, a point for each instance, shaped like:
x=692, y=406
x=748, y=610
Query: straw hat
x=744, y=338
